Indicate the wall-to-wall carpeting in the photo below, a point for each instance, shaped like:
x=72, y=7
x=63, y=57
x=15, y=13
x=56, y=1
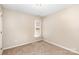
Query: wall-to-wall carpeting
x=38, y=48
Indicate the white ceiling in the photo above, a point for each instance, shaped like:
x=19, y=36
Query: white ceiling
x=36, y=9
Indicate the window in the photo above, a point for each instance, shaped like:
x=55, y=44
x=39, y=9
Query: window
x=37, y=28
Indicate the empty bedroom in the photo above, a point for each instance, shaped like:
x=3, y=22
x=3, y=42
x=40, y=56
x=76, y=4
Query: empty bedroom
x=39, y=29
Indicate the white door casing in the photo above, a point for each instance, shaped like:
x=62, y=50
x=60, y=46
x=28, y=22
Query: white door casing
x=0, y=30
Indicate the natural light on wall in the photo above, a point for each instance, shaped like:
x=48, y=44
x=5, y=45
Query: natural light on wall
x=37, y=28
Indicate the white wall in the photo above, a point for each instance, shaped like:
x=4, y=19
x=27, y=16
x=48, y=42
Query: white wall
x=63, y=28
x=18, y=28
x=0, y=30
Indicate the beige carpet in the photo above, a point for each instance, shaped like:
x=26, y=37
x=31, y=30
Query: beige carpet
x=38, y=48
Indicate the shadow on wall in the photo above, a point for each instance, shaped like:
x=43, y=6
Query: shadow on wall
x=63, y=28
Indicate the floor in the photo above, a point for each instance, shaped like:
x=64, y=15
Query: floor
x=38, y=48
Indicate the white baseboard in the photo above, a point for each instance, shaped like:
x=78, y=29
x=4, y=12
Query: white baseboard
x=21, y=44
x=46, y=41
x=62, y=46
